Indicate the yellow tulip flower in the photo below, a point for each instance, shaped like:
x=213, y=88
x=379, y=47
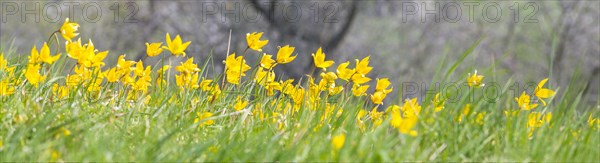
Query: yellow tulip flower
x=524, y=102
x=284, y=55
x=176, y=46
x=319, y=59
x=543, y=93
x=254, y=42
x=153, y=49
x=68, y=30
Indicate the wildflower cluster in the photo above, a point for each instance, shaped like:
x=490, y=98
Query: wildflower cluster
x=248, y=93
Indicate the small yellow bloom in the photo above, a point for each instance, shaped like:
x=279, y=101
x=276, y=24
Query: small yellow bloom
x=524, y=102
x=4, y=64
x=343, y=72
x=438, y=103
x=360, y=79
x=33, y=75
x=176, y=46
x=6, y=88
x=240, y=104
x=112, y=75
x=235, y=68
x=263, y=77
x=378, y=97
x=543, y=93
x=329, y=77
x=405, y=118
x=188, y=67
x=203, y=117
x=254, y=41
x=359, y=90
x=382, y=85
x=284, y=54
x=475, y=80
x=466, y=112
x=593, y=122
x=124, y=65
x=267, y=62
x=60, y=91
x=536, y=120
x=189, y=81
x=338, y=141
x=153, y=49
x=42, y=56
x=362, y=66
x=68, y=30
x=319, y=60
x=74, y=49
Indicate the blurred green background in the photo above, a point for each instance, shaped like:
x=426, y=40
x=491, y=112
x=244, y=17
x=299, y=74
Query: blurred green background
x=523, y=40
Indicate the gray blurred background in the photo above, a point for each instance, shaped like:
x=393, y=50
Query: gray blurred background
x=527, y=40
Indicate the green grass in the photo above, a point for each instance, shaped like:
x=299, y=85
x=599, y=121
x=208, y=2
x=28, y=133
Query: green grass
x=36, y=126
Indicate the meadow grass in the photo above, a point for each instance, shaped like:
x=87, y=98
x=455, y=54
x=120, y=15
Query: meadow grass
x=118, y=123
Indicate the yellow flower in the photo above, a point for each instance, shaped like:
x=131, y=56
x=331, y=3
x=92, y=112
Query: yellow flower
x=89, y=57
x=45, y=55
x=142, y=84
x=405, y=118
x=543, y=93
x=124, y=65
x=333, y=90
x=206, y=84
x=378, y=97
x=263, y=77
x=466, y=111
x=69, y=29
x=254, y=41
x=203, y=117
x=524, y=102
x=60, y=91
x=338, y=141
x=284, y=54
x=267, y=62
x=33, y=75
x=112, y=75
x=329, y=77
x=475, y=80
x=153, y=49
x=189, y=81
x=271, y=87
x=359, y=90
x=382, y=85
x=479, y=118
x=536, y=120
x=438, y=103
x=240, y=104
x=187, y=67
x=360, y=79
x=4, y=64
x=362, y=66
x=319, y=59
x=343, y=72
x=176, y=46
x=510, y=114
x=6, y=88
x=298, y=97
x=235, y=68
x=74, y=49
x=593, y=122
x=42, y=56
